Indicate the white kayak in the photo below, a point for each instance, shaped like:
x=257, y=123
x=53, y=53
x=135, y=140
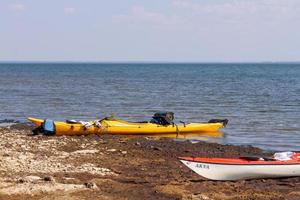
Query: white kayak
x=244, y=167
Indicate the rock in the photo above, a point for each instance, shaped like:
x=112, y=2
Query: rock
x=124, y=152
x=21, y=180
x=86, y=151
x=156, y=148
x=102, y=142
x=30, y=179
x=196, y=197
x=201, y=197
x=111, y=150
x=90, y=185
x=49, y=179
x=138, y=144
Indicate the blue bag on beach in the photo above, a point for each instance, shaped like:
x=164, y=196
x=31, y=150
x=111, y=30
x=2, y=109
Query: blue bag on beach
x=49, y=127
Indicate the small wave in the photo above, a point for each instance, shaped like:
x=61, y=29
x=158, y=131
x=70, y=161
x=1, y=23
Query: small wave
x=267, y=111
x=8, y=122
x=2, y=121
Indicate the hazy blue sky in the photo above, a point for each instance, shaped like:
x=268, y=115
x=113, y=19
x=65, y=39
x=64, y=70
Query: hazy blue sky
x=150, y=30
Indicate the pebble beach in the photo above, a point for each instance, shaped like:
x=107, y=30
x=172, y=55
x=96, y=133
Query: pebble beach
x=120, y=167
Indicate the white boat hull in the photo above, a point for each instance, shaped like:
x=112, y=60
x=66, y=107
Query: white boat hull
x=238, y=172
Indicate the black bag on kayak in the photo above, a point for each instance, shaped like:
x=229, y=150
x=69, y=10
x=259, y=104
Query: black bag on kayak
x=223, y=121
x=163, y=118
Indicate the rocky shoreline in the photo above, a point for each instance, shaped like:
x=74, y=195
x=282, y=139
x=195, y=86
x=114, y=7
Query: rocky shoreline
x=120, y=167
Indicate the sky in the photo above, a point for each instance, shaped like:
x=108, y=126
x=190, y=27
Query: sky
x=150, y=30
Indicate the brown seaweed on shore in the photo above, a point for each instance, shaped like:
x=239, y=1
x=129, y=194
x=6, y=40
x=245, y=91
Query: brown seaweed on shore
x=118, y=167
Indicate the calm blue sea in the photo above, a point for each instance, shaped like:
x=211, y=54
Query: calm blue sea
x=261, y=101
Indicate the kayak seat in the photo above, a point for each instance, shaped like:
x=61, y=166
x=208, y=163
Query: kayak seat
x=255, y=158
x=268, y=159
x=72, y=121
x=250, y=158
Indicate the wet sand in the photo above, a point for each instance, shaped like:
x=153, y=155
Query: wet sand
x=118, y=167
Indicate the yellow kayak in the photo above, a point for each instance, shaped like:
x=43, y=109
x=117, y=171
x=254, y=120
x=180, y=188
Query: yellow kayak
x=116, y=126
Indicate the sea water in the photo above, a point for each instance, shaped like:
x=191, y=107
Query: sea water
x=261, y=101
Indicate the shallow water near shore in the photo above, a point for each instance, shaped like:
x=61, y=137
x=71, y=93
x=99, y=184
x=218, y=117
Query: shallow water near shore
x=261, y=101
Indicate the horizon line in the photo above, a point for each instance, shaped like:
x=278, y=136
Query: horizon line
x=143, y=62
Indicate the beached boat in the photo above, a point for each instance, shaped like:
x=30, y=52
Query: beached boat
x=116, y=126
x=244, y=167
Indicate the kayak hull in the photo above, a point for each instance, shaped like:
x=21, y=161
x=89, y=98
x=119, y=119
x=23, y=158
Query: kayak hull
x=239, y=169
x=129, y=128
x=63, y=128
